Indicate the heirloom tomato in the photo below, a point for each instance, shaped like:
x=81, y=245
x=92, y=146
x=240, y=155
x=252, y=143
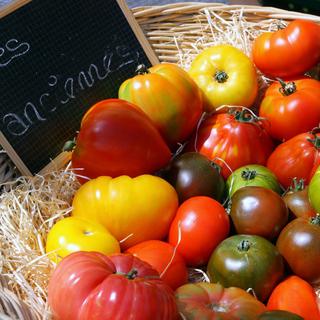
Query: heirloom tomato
x=247, y=261
x=299, y=244
x=226, y=76
x=258, y=211
x=236, y=138
x=288, y=52
x=74, y=234
x=295, y=295
x=132, y=209
x=200, y=224
x=212, y=301
x=279, y=315
x=92, y=286
x=297, y=201
x=296, y=158
x=252, y=175
x=314, y=190
x=291, y=108
x=170, y=98
x=116, y=138
x=163, y=257
x=192, y=174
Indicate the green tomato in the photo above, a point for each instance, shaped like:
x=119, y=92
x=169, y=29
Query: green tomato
x=314, y=191
x=252, y=175
x=279, y=315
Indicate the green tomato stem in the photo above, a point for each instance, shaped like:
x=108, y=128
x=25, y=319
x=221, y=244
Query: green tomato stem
x=244, y=245
x=315, y=220
x=132, y=274
x=287, y=88
x=142, y=69
x=297, y=185
x=221, y=76
x=248, y=174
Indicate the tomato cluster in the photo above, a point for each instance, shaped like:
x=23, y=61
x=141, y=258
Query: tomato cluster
x=192, y=170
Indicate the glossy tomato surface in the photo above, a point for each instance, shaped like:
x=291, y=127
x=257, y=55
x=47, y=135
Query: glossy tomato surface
x=291, y=108
x=313, y=192
x=295, y=295
x=247, y=261
x=299, y=244
x=170, y=98
x=116, y=138
x=213, y=301
x=288, y=52
x=163, y=257
x=131, y=209
x=279, y=315
x=92, y=286
x=258, y=211
x=235, y=138
x=200, y=224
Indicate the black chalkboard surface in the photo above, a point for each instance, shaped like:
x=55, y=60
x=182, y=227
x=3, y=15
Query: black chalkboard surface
x=58, y=58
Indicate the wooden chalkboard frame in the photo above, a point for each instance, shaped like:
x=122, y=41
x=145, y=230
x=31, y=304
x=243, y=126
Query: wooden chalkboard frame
x=64, y=157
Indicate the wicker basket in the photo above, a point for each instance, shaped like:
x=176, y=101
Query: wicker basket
x=177, y=32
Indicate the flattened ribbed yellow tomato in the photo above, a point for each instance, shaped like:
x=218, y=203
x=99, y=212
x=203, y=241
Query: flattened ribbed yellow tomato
x=226, y=76
x=134, y=209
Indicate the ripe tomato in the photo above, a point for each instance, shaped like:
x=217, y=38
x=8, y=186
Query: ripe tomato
x=247, y=261
x=170, y=98
x=297, y=200
x=299, y=244
x=200, y=224
x=192, y=174
x=113, y=130
x=313, y=192
x=74, y=234
x=291, y=108
x=296, y=158
x=295, y=295
x=91, y=286
x=236, y=137
x=226, y=76
x=213, y=301
x=163, y=257
x=258, y=211
x=288, y=52
x=252, y=175
x=132, y=209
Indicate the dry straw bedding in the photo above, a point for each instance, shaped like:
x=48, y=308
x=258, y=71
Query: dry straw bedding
x=31, y=206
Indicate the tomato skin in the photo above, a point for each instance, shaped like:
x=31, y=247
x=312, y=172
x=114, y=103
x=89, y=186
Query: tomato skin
x=313, y=191
x=203, y=223
x=258, y=211
x=163, y=257
x=111, y=131
x=295, y=158
x=74, y=234
x=288, y=52
x=135, y=209
x=295, y=295
x=239, y=85
x=247, y=261
x=170, y=98
x=292, y=114
x=237, y=142
x=212, y=301
x=279, y=315
x=301, y=238
x=91, y=286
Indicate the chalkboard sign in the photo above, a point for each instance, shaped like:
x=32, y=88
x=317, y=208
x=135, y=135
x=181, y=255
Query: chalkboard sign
x=58, y=58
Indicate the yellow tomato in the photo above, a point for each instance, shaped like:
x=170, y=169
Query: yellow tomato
x=226, y=76
x=75, y=234
x=132, y=209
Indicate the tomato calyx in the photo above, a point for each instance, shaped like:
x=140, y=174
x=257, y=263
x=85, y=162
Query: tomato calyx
x=287, y=88
x=316, y=139
x=244, y=245
x=248, y=174
x=315, y=220
x=142, y=69
x=244, y=116
x=297, y=185
x=69, y=145
x=132, y=274
x=221, y=76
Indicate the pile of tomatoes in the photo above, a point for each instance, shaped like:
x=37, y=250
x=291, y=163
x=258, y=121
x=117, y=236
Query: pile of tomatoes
x=199, y=170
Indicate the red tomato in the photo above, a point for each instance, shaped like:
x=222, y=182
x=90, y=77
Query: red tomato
x=163, y=257
x=291, y=108
x=116, y=138
x=288, y=52
x=238, y=138
x=297, y=296
x=296, y=158
x=200, y=224
x=92, y=286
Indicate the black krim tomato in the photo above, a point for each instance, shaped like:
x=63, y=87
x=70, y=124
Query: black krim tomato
x=258, y=211
x=278, y=315
x=192, y=174
x=247, y=262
